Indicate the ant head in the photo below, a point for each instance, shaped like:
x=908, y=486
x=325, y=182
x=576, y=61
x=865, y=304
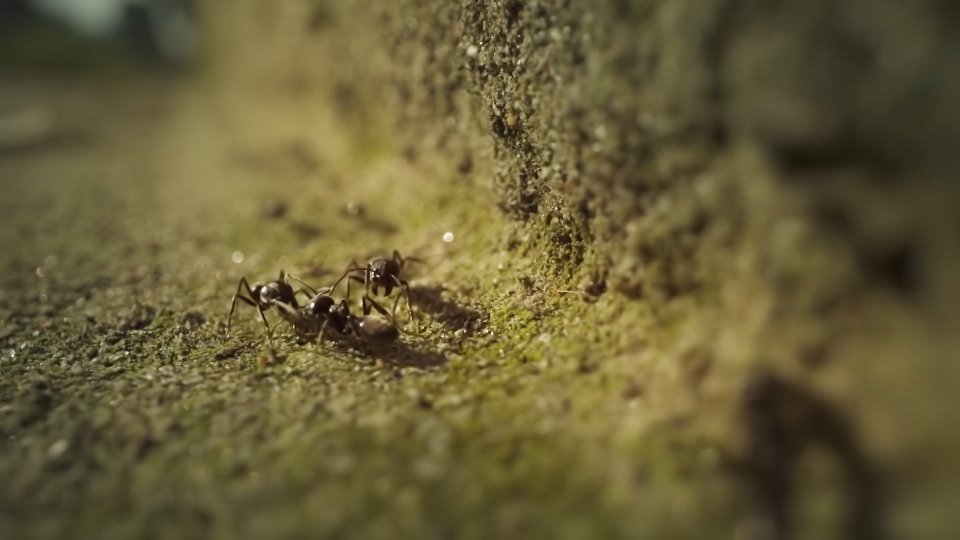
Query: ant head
x=383, y=268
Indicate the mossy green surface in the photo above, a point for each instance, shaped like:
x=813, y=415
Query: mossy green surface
x=634, y=231
x=128, y=411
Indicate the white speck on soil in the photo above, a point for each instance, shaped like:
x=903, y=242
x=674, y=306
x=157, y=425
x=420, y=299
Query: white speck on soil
x=58, y=448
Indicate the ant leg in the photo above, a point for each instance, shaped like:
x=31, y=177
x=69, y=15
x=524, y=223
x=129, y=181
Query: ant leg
x=414, y=260
x=311, y=295
x=352, y=267
x=402, y=261
x=307, y=294
x=265, y=324
x=241, y=286
x=322, y=328
x=291, y=313
x=395, y=302
x=233, y=305
x=353, y=278
x=413, y=316
x=370, y=302
x=308, y=288
x=406, y=290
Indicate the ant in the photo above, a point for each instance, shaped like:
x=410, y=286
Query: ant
x=382, y=273
x=277, y=293
x=326, y=312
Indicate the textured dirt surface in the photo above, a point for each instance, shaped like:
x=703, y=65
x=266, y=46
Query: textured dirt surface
x=654, y=206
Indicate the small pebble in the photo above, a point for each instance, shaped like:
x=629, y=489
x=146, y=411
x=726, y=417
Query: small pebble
x=447, y=237
x=355, y=208
x=58, y=448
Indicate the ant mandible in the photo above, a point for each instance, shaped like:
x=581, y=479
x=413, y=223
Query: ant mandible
x=382, y=273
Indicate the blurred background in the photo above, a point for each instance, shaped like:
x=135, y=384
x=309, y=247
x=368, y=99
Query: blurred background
x=691, y=268
x=38, y=32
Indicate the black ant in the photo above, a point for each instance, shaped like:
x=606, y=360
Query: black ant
x=277, y=293
x=323, y=312
x=382, y=273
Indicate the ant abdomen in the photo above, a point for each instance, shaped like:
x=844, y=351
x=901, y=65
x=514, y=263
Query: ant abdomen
x=376, y=328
